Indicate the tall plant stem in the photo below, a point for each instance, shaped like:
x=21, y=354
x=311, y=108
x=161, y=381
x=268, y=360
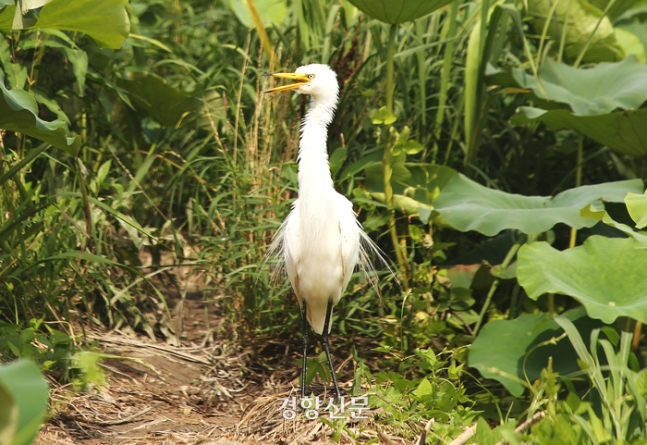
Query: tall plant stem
x=578, y=182
x=636, y=340
x=573, y=239
x=390, y=55
x=262, y=34
x=386, y=164
x=422, y=78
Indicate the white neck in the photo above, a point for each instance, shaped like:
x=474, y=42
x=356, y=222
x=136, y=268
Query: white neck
x=314, y=169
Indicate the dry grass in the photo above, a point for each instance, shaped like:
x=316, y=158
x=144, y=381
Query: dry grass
x=198, y=393
x=198, y=387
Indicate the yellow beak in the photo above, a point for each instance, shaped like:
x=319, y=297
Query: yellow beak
x=301, y=79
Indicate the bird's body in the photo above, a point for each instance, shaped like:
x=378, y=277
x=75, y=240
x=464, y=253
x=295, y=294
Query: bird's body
x=321, y=239
x=320, y=258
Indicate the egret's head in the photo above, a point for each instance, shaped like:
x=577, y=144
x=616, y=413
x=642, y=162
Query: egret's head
x=315, y=79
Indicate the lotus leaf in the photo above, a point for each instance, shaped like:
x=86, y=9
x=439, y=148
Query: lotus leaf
x=615, y=9
x=640, y=238
x=622, y=131
x=637, y=207
x=606, y=275
x=29, y=390
x=415, y=185
x=8, y=415
x=583, y=23
x=271, y=12
x=399, y=11
x=165, y=104
x=506, y=350
x=19, y=112
x=106, y=21
x=468, y=205
x=588, y=92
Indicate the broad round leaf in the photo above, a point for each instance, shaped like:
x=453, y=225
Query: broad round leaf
x=636, y=28
x=106, y=21
x=639, y=238
x=415, y=185
x=399, y=11
x=168, y=105
x=500, y=348
x=271, y=12
x=30, y=391
x=8, y=415
x=406, y=205
x=622, y=131
x=631, y=44
x=19, y=112
x=616, y=9
x=637, y=208
x=606, y=275
x=468, y=205
x=6, y=17
x=593, y=91
x=586, y=27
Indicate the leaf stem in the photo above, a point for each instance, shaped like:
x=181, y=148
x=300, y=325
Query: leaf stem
x=400, y=255
x=504, y=265
x=578, y=183
x=444, y=77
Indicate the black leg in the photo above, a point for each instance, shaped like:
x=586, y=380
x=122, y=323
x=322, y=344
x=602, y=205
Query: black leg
x=305, y=349
x=324, y=340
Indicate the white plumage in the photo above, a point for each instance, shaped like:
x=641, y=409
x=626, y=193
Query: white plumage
x=321, y=240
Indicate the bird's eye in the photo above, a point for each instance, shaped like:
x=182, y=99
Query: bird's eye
x=311, y=76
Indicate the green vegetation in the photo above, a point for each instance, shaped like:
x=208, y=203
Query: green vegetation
x=23, y=397
x=494, y=150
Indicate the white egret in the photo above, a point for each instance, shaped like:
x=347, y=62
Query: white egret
x=321, y=241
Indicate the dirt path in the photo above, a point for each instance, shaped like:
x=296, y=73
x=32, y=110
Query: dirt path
x=157, y=393
x=203, y=392
x=198, y=387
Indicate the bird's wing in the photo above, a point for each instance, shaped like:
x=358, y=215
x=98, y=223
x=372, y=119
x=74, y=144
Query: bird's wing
x=369, y=253
x=283, y=248
x=358, y=249
x=350, y=234
x=278, y=255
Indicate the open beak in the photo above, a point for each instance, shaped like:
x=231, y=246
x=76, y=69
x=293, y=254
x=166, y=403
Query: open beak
x=301, y=79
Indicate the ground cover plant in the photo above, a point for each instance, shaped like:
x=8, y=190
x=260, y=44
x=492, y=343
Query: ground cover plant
x=494, y=150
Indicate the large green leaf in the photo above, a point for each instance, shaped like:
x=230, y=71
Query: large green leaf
x=592, y=95
x=399, y=11
x=585, y=25
x=599, y=90
x=631, y=44
x=468, y=205
x=106, y=21
x=168, y=105
x=606, y=275
x=506, y=350
x=19, y=112
x=406, y=205
x=622, y=131
x=615, y=8
x=9, y=415
x=637, y=208
x=639, y=237
x=23, y=380
x=636, y=28
x=271, y=12
x=415, y=185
